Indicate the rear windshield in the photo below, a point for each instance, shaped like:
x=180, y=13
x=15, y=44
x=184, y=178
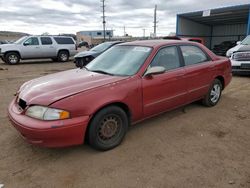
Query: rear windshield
x=64, y=40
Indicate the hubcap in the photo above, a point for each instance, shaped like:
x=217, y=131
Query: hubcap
x=215, y=93
x=64, y=57
x=13, y=59
x=110, y=127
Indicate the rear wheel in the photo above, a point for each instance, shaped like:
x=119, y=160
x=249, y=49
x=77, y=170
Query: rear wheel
x=63, y=56
x=108, y=128
x=12, y=58
x=214, y=94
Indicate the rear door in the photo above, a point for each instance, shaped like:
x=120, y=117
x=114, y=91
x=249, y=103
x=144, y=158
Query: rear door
x=47, y=47
x=199, y=70
x=167, y=90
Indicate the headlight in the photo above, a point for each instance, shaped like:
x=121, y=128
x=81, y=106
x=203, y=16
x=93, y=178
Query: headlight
x=45, y=113
x=241, y=56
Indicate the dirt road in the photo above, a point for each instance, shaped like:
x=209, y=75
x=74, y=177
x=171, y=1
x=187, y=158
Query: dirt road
x=191, y=147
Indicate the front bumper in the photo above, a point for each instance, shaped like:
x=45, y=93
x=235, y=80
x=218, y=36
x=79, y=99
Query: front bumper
x=59, y=133
x=241, y=67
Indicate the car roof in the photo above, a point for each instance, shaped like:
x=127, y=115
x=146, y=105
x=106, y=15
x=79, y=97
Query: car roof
x=156, y=43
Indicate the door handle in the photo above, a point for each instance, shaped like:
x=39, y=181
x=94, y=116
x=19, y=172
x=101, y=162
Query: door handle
x=37, y=47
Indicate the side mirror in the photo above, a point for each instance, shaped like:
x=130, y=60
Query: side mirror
x=155, y=70
x=238, y=43
x=25, y=44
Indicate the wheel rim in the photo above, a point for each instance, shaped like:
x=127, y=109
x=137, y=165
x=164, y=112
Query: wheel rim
x=13, y=59
x=215, y=93
x=110, y=128
x=64, y=57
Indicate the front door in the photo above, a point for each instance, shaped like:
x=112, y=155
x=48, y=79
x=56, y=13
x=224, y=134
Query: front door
x=168, y=90
x=30, y=48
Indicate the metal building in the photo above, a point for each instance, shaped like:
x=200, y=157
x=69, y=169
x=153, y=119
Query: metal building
x=215, y=25
x=96, y=33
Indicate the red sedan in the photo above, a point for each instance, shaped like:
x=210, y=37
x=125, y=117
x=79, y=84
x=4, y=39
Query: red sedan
x=126, y=84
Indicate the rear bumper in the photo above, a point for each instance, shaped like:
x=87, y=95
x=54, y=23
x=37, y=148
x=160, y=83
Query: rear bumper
x=60, y=133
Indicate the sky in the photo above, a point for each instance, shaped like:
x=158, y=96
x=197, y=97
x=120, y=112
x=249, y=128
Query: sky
x=71, y=16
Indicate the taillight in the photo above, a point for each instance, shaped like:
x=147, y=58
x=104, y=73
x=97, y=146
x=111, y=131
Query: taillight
x=76, y=46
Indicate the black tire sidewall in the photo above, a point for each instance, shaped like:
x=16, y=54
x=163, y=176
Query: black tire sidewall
x=207, y=100
x=7, y=58
x=63, y=52
x=93, y=138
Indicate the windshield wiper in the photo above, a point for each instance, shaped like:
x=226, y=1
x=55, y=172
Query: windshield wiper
x=102, y=72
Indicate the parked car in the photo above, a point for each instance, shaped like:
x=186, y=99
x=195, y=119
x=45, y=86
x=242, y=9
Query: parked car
x=192, y=39
x=240, y=57
x=83, y=58
x=83, y=43
x=241, y=62
x=58, y=48
x=222, y=48
x=126, y=84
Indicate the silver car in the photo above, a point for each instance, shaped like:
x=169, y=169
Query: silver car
x=58, y=48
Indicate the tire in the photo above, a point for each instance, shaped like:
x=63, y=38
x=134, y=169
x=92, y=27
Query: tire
x=108, y=128
x=12, y=58
x=214, y=94
x=63, y=56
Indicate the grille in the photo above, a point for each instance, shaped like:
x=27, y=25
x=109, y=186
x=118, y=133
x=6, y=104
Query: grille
x=245, y=66
x=22, y=103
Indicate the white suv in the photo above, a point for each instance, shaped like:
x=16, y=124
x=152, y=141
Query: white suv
x=58, y=48
x=240, y=57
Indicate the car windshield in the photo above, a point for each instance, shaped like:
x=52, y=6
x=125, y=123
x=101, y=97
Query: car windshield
x=246, y=41
x=19, y=41
x=120, y=60
x=101, y=47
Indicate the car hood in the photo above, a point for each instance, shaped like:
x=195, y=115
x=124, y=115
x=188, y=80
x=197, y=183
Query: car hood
x=51, y=88
x=86, y=53
x=8, y=46
x=234, y=49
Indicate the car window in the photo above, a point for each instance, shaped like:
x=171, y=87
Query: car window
x=168, y=58
x=31, y=41
x=46, y=40
x=193, y=55
x=102, y=47
x=120, y=60
x=246, y=41
x=64, y=40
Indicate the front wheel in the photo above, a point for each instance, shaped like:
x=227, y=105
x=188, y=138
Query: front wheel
x=12, y=58
x=214, y=94
x=108, y=128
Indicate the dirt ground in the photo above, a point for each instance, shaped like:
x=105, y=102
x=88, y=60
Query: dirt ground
x=194, y=146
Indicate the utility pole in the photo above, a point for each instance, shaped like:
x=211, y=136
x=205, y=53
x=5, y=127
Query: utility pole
x=143, y=33
x=124, y=31
x=103, y=19
x=155, y=21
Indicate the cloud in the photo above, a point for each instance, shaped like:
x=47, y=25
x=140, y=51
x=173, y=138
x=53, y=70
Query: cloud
x=70, y=16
